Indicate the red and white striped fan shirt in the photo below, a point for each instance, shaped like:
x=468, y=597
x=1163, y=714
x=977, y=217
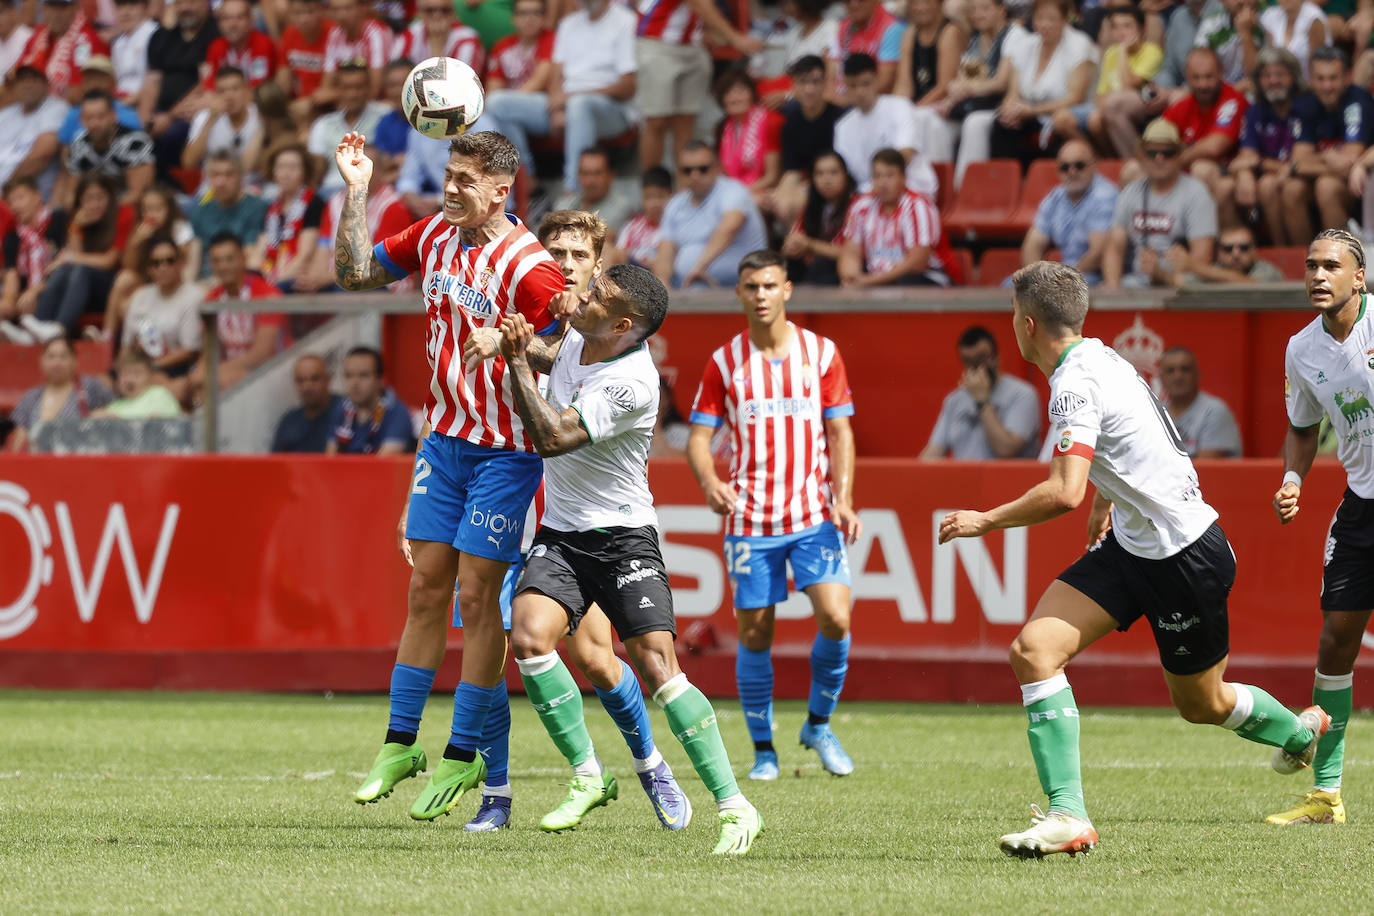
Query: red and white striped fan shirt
x=670, y=21
x=462, y=43
x=887, y=235
x=776, y=411
x=373, y=45
x=477, y=286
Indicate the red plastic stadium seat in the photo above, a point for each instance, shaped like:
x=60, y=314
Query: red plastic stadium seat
x=1290, y=259
x=944, y=193
x=1041, y=179
x=1110, y=169
x=986, y=200
x=970, y=276
x=997, y=264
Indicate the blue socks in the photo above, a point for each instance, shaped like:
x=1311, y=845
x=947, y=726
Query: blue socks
x=495, y=744
x=470, y=705
x=625, y=703
x=829, y=664
x=754, y=678
x=410, y=687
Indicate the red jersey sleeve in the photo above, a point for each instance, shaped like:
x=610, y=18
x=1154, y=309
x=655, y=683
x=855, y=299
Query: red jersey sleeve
x=395, y=218
x=772, y=133
x=544, y=49
x=1230, y=114
x=836, y=398
x=853, y=229
x=219, y=49
x=708, y=409
x=1180, y=114
x=400, y=251
x=534, y=292
x=494, y=69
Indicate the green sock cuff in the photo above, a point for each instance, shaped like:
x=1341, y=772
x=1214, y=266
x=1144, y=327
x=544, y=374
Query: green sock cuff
x=1270, y=722
x=1328, y=764
x=554, y=695
x=693, y=721
x=1053, y=733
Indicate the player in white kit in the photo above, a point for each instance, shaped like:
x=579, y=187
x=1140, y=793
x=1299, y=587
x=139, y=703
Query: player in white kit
x=1329, y=370
x=1156, y=551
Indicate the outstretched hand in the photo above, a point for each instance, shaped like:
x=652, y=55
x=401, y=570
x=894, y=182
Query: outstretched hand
x=516, y=334
x=481, y=344
x=966, y=523
x=354, y=164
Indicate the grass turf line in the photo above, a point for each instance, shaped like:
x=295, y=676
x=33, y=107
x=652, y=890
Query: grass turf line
x=233, y=803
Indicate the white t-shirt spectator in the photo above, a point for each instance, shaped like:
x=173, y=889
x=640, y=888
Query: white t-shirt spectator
x=1052, y=82
x=594, y=54
x=21, y=129
x=129, y=54
x=162, y=325
x=223, y=134
x=1206, y=425
x=329, y=129
x=860, y=134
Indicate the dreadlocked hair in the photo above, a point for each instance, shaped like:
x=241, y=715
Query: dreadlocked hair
x=1351, y=243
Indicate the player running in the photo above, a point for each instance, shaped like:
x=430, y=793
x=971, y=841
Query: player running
x=599, y=540
x=784, y=393
x=1156, y=551
x=476, y=470
x=1329, y=370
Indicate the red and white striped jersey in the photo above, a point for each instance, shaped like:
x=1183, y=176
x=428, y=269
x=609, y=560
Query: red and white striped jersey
x=462, y=44
x=466, y=287
x=639, y=239
x=776, y=411
x=669, y=21
x=372, y=46
x=886, y=235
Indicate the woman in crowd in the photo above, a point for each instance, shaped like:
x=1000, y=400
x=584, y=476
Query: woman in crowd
x=164, y=318
x=813, y=246
x=972, y=97
x=929, y=62
x=287, y=243
x=749, y=137
x=1298, y=26
x=158, y=216
x=64, y=394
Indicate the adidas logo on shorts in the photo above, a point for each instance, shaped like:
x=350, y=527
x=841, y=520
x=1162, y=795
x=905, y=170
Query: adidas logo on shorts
x=645, y=602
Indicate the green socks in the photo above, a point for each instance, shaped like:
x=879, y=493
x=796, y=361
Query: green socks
x=1053, y=733
x=1333, y=693
x=693, y=721
x=1260, y=718
x=555, y=696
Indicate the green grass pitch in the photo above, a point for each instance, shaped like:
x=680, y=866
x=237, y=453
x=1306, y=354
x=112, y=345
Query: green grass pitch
x=240, y=803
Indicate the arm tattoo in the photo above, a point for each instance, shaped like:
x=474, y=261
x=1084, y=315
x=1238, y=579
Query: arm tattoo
x=543, y=350
x=356, y=266
x=540, y=420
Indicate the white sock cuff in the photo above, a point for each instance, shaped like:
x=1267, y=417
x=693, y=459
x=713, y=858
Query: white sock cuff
x=1334, y=681
x=648, y=763
x=1245, y=704
x=501, y=791
x=670, y=691
x=1036, y=691
x=536, y=664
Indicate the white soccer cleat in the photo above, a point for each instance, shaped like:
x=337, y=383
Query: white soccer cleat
x=1049, y=833
x=1315, y=718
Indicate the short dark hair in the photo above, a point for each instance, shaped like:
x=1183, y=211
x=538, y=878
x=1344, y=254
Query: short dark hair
x=975, y=335
x=642, y=295
x=230, y=70
x=1126, y=9
x=21, y=181
x=860, y=63
x=224, y=237
x=656, y=176
x=353, y=65
x=97, y=95
x=400, y=63
x=601, y=151
x=759, y=260
x=1328, y=53
x=890, y=156
x=377, y=364
x=806, y=65
x=495, y=154
x=698, y=146
x=731, y=78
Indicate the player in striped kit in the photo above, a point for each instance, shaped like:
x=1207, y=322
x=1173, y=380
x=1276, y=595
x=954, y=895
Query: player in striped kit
x=784, y=393
x=1155, y=551
x=1329, y=370
x=475, y=470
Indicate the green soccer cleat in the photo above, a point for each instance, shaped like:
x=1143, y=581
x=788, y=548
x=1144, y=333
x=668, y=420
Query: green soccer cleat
x=394, y=762
x=451, y=779
x=738, y=830
x=584, y=794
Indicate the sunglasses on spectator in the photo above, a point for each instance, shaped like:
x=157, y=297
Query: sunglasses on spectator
x=1165, y=153
x=161, y=262
x=691, y=169
x=1067, y=167
x=1238, y=246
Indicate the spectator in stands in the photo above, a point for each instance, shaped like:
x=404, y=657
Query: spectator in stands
x=300, y=65
x=597, y=192
x=230, y=121
x=29, y=142
x=393, y=131
x=64, y=395
x=990, y=415
x=156, y=216
x=1298, y=26
x=1179, y=40
x=1335, y=125
x=640, y=238
x=358, y=37
x=929, y=62
x=1165, y=223
x=1208, y=118
x=226, y=207
x=804, y=31
x=104, y=146
x=707, y=226
x=59, y=47
x=1235, y=34
x=172, y=91
x=523, y=60
x=356, y=113
x=386, y=215
x=972, y=98
x=291, y=232
x=1076, y=217
x=14, y=35
x=28, y=248
x=421, y=178
x=369, y=420
x=1203, y=421
x=163, y=319
x=129, y=48
x=892, y=235
x=878, y=122
x=814, y=245
x=246, y=340
x=97, y=74
x=1115, y=118
x=808, y=129
x=274, y=112
x=240, y=46
x=590, y=90
x=307, y=428
x=1264, y=161
x=1052, y=69
x=749, y=136
x=436, y=32
x=1237, y=262
x=869, y=29
x=141, y=395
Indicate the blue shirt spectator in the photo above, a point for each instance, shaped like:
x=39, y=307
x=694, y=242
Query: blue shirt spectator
x=1075, y=217
x=1350, y=120
x=392, y=133
x=369, y=420
x=298, y=431
x=689, y=252
x=421, y=181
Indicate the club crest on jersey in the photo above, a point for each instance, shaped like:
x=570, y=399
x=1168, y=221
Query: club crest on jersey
x=1353, y=405
x=1065, y=441
x=1066, y=404
x=1370, y=363
x=474, y=302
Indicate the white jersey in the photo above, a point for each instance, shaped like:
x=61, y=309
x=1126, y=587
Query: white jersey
x=1322, y=376
x=605, y=483
x=1100, y=409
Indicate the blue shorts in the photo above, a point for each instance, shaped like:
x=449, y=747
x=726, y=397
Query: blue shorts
x=758, y=565
x=472, y=497
x=507, y=595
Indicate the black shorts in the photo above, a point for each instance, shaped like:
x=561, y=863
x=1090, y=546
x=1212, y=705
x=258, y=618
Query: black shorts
x=619, y=569
x=1183, y=596
x=1348, y=559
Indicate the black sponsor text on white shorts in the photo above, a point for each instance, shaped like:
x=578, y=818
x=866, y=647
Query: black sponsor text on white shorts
x=1348, y=556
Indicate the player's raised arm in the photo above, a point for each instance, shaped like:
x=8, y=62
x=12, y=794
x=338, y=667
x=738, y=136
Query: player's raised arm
x=356, y=267
x=1299, y=448
x=551, y=432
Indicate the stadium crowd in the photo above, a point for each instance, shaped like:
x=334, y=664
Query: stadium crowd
x=160, y=154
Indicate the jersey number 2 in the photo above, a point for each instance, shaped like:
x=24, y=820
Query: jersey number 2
x=422, y=470
x=737, y=558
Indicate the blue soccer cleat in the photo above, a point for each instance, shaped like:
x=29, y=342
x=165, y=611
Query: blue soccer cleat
x=672, y=806
x=823, y=741
x=765, y=766
x=493, y=815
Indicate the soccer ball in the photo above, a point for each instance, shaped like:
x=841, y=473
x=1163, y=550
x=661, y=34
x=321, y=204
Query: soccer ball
x=442, y=98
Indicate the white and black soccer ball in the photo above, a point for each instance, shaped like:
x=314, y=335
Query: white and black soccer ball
x=442, y=98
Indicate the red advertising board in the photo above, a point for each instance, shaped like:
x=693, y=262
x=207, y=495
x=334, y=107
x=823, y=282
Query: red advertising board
x=283, y=573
